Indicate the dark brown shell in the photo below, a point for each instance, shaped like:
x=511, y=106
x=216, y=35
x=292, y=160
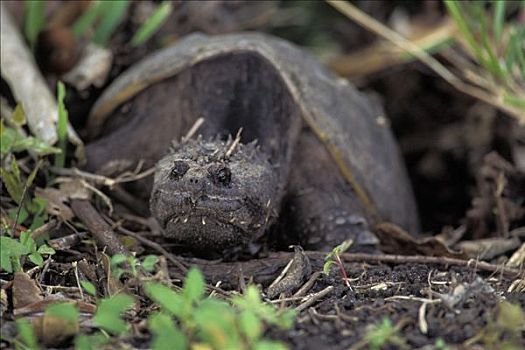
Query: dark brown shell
x=353, y=129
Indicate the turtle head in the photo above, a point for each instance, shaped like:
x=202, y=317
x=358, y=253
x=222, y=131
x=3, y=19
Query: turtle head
x=211, y=195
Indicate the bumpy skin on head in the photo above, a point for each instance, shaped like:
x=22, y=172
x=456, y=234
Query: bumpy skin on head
x=206, y=199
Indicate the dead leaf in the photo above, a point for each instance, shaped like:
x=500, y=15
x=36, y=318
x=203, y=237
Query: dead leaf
x=394, y=240
x=55, y=203
x=518, y=258
x=488, y=248
x=25, y=290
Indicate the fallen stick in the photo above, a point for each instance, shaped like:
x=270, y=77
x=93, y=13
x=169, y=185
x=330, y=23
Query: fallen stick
x=99, y=228
x=265, y=270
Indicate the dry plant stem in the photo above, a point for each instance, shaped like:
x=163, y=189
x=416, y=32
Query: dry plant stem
x=418, y=259
x=100, y=179
x=45, y=228
x=267, y=268
x=378, y=28
x=99, y=228
x=342, y=270
x=308, y=285
x=18, y=210
x=193, y=129
x=27, y=84
x=234, y=144
x=282, y=274
x=311, y=299
x=518, y=258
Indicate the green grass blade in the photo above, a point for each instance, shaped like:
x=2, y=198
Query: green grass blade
x=112, y=13
x=455, y=11
x=490, y=61
x=515, y=101
x=518, y=49
x=34, y=20
x=499, y=18
x=152, y=24
x=60, y=158
x=86, y=20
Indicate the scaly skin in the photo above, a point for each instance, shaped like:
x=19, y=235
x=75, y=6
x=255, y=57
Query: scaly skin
x=208, y=199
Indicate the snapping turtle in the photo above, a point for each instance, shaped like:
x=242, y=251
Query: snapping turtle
x=311, y=150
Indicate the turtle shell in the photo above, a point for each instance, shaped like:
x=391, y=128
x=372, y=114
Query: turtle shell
x=352, y=128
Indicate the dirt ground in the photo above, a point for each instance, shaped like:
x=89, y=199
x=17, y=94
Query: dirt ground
x=451, y=293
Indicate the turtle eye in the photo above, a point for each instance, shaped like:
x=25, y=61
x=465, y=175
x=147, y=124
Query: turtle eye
x=178, y=170
x=223, y=176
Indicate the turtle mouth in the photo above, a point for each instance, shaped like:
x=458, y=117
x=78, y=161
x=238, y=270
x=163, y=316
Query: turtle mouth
x=199, y=229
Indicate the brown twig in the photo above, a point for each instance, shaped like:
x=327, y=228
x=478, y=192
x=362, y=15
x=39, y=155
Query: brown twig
x=193, y=129
x=234, y=144
x=311, y=299
x=308, y=285
x=419, y=259
x=99, y=228
x=383, y=31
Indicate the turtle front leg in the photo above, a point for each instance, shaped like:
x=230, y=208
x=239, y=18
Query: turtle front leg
x=321, y=209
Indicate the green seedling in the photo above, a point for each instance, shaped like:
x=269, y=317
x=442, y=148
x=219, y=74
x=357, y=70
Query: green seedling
x=334, y=257
x=384, y=334
x=152, y=24
x=123, y=264
x=60, y=158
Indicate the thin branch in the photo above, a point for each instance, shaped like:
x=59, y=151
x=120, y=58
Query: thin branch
x=378, y=28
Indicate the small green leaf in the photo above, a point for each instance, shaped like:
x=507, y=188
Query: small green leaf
x=26, y=334
x=22, y=215
x=10, y=248
x=193, y=285
x=117, y=272
x=149, y=263
x=89, y=287
x=15, y=170
x=65, y=311
x=152, y=24
x=90, y=342
x=8, y=137
x=269, y=345
x=168, y=299
x=118, y=259
x=250, y=325
x=45, y=249
x=36, y=259
x=108, y=315
x=33, y=144
x=326, y=266
x=19, y=116
x=216, y=321
x=510, y=316
x=165, y=334
x=28, y=241
x=13, y=186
